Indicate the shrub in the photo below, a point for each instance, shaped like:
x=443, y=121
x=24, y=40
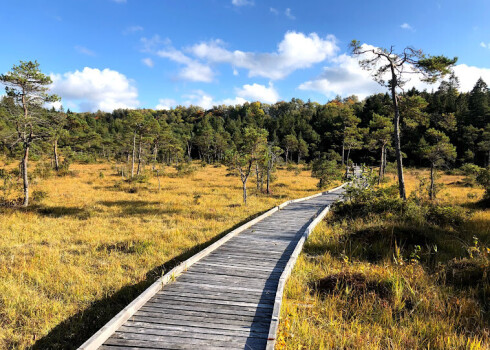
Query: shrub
x=326, y=171
x=184, y=168
x=483, y=178
x=470, y=169
x=447, y=215
x=39, y=195
x=43, y=170
x=64, y=168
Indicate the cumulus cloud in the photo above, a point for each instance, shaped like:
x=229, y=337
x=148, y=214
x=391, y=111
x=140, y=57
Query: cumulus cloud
x=468, y=76
x=84, y=50
x=295, y=51
x=148, y=62
x=242, y=2
x=165, y=103
x=257, y=92
x=193, y=70
x=92, y=89
x=206, y=101
x=345, y=77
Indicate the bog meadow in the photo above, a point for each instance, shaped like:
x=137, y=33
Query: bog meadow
x=97, y=201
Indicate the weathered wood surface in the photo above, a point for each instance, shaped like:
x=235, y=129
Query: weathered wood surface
x=225, y=300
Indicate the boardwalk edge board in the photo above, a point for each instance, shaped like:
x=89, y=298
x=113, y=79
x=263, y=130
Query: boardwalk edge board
x=125, y=314
x=271, y=339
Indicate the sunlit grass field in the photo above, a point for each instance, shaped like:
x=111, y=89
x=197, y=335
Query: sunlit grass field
x=353, y=287
x=86, y=249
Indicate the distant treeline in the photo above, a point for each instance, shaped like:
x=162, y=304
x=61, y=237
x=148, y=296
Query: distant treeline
x=342, y=128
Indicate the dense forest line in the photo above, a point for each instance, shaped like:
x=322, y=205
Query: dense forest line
x=442, y=128
x=303, y=130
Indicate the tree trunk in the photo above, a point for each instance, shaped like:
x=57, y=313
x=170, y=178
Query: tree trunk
x=257, y=175
x=343, y=153
x=384, y=162
x=139, y=158
x=155, y=153
x=381, y=164
x=245, y=192
x=132, y=159
x=268, y=180
x=432, y=194
x=347, y=163
x=55, y=153
x=398, y=151
x=287, y=154
x=24, y=175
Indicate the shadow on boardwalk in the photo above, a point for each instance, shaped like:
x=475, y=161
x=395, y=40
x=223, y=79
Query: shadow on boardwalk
x=75, y=330
x=262, y=320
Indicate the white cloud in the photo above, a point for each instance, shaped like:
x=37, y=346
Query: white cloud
x=345, y=77
x=289, y=14
x=407, y=26
x=232, y=101
x=274, y=10
x=193, y=70
x=206, y=101
x=120, y=1
x=468, y=75
x=257, y=92
x=148, y=62
x=242, y=2
x=153, y=43
x=132, y=29
x=57, y=105
x=295, y=51
x=199, y=98
x=482, y=44
x=92, y=89
x=165, y=103
x=84, y=50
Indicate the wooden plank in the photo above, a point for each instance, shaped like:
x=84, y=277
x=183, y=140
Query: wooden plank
x=205, y=339
x=206, y=323
x=189, y=329
x=208, y=313
x=168, y=344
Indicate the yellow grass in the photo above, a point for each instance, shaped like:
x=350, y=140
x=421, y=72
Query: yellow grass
x=420, y=314
x=88, y=239
x=451, y=192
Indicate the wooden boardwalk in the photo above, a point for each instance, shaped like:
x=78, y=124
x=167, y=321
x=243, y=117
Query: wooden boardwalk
x=226, y=300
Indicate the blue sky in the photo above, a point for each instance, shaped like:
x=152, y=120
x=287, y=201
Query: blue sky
x=106, y=54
